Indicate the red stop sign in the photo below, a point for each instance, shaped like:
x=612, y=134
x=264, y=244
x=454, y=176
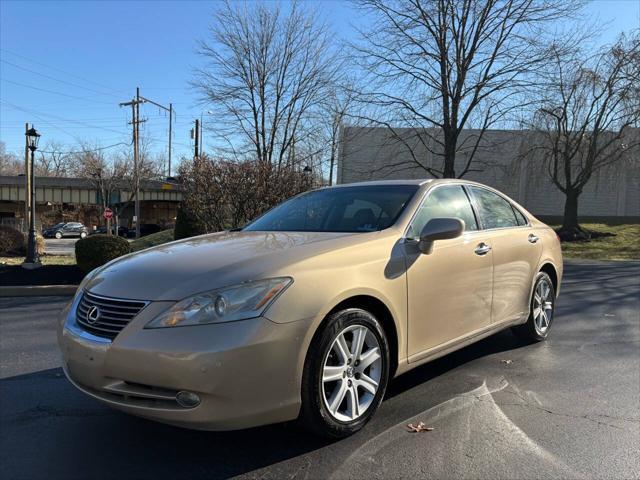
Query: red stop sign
x=108, y=213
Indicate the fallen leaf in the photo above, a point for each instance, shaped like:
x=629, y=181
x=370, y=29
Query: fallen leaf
x=420, y=427
x=507, y=362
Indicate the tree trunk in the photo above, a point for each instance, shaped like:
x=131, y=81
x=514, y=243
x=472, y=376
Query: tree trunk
x=571, y=230
x=449, y=170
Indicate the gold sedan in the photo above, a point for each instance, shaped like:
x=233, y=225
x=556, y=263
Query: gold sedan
x=311, y=309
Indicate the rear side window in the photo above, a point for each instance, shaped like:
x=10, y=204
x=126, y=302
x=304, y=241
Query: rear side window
x=521, y=219
x=495, y=211
x=449, y=201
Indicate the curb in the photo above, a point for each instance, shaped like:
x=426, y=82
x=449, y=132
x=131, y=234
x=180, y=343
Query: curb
x=38, y=291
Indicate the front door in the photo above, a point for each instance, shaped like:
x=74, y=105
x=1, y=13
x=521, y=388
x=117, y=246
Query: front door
x=450, y=289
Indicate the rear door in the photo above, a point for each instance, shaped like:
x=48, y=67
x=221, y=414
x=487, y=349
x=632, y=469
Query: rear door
x=516, y=252
x=449, y=290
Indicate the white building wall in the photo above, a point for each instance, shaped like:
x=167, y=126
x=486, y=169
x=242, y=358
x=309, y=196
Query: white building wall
x=374, y=154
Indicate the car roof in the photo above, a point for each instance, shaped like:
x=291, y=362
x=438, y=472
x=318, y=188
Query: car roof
x=417, y=181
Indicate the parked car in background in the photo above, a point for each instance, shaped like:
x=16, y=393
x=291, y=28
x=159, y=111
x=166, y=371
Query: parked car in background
x=311, y=309
x=122, y=231
x=62, y=230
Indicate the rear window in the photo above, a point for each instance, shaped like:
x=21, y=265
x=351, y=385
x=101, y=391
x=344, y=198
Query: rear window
x=495, y=211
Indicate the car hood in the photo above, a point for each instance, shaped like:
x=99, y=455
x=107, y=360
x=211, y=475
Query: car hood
x=178, y=269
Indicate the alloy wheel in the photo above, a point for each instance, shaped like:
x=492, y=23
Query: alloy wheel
x=542, y=306
x=351, y=373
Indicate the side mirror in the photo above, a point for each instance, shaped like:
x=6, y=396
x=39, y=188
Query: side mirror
x=439, y=229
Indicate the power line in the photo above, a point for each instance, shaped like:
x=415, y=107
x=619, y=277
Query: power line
x=106, y=129
x=61, y=71
x=86, y=150
x=57, y=79
x=51, y=91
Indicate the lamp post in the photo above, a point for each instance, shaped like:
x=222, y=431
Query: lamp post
x=33, y=260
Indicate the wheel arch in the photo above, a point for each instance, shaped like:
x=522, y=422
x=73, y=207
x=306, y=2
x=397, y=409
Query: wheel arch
x=383, y=314
x=550, y=270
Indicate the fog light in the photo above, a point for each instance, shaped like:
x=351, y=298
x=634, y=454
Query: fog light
x=187, y=399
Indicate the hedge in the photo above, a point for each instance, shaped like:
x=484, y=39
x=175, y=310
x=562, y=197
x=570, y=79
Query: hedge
x=96, y=250
x=12, y=241
x=187, y=225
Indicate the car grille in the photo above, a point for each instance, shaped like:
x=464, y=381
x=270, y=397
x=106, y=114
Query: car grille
x=113, y=314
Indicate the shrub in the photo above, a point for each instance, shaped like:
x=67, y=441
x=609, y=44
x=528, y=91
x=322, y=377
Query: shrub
x=222, y=194
x=11, y=240
x=152, y=240
x=187, y=225
x=96, y=250
x=40, y=245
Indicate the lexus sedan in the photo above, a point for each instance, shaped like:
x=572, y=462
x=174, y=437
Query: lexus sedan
x=311, y=309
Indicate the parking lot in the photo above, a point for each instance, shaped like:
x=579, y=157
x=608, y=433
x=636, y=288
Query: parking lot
x=63, y=246
x=565, y=408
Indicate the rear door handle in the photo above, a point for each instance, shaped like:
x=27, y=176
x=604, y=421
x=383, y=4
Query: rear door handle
x=482, y=249
x=533, y=238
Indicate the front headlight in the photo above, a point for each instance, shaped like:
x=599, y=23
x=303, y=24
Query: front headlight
x=239, y=302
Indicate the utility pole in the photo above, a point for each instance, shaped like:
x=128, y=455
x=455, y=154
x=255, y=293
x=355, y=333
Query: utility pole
x=196, y=153
x=170, y=135
x=135, y=107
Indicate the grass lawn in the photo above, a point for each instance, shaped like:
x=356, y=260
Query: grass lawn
x=624, y=245
x=45, y=259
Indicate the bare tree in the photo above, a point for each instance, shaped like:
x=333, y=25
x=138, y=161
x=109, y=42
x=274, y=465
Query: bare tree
x=441, y=66
x=105, y=174
x=10, y=164
x=339, y=107
x=53, y=160
x=266, y=73
x=586, y=122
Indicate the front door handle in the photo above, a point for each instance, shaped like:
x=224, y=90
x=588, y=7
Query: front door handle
x=482, y=249
x=533, y=238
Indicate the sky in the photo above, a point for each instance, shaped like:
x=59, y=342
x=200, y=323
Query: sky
x=66, y=65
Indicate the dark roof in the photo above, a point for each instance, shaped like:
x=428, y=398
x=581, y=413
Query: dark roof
x=67, y=182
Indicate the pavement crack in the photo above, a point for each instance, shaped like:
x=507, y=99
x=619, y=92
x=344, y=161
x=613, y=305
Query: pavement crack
x=539, y=407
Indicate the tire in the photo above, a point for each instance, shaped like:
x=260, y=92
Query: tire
x=540, y=320
x=58, y=235
x=83, y=235
x=328, y=403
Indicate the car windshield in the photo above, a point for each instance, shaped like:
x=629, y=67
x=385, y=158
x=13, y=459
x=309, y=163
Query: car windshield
x=344, y=209
x=58, y=225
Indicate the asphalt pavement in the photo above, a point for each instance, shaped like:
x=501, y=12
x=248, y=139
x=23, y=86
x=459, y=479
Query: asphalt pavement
x=63, y=246
x=565, y=408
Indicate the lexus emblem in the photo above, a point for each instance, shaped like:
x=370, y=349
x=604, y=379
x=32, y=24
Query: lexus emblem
x=93, y=315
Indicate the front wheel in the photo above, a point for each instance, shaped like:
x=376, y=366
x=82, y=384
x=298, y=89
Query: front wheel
x=58, y=235
x=345, y=375
x=542, y=308
x=83, y=234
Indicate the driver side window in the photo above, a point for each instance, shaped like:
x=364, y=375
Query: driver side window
x=447, y=201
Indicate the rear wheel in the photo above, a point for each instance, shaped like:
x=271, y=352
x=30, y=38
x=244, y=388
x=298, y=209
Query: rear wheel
x=542, y=308
x=345, y=374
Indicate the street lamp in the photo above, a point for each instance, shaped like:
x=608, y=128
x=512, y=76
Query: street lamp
x=32, y=261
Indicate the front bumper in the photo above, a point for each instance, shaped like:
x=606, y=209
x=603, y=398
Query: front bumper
x=246, y=373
